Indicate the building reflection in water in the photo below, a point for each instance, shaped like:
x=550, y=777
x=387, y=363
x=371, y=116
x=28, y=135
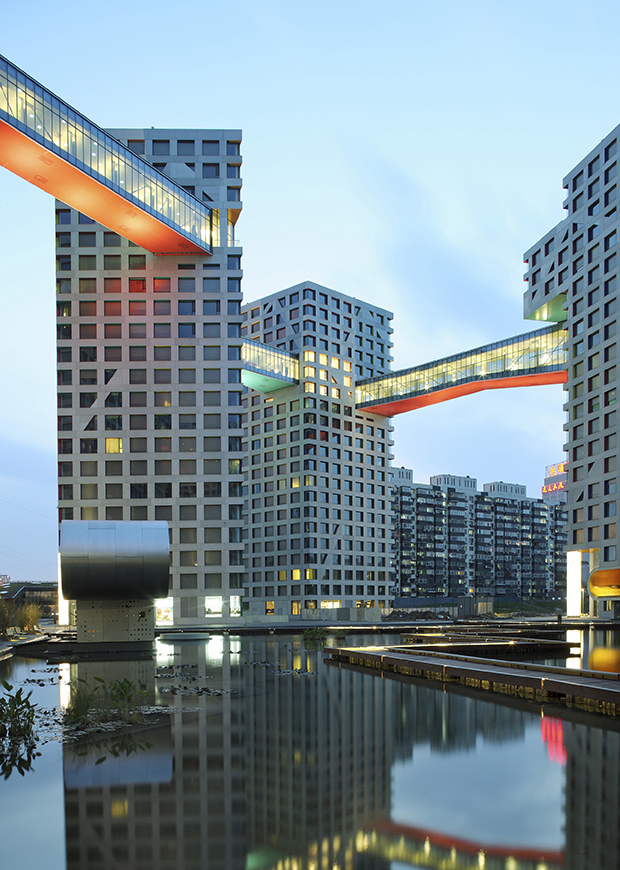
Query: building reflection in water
x=274, y=770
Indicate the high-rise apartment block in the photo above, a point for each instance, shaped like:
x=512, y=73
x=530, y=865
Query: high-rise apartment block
x=572, y=275
x=449, y=539
x=149, y=375
x=318, y=509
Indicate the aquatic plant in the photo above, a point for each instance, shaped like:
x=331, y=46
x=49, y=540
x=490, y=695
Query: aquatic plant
x=116, y=700
x=17, y=731
x=315, y=636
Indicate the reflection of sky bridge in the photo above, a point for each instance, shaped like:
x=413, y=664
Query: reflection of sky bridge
x=534, y=358
x=46, y=142
x=429, y=849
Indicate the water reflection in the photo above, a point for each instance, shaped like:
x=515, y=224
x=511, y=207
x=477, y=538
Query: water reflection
x=292, y=764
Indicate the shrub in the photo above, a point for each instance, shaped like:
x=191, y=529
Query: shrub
x=6, y=618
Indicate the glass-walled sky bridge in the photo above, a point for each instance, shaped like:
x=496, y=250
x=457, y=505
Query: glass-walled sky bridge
x=49, y=144
x=267, y=368
x=534, y=358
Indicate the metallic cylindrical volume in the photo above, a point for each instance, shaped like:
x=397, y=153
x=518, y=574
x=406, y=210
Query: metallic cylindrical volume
x=114, y=560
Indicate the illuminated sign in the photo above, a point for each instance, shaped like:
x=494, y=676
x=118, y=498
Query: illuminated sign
x=553, y=470
x=554, y=487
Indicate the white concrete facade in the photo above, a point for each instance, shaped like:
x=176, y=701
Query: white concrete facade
x=149, y=378
x=572, y=275
x=318, y=505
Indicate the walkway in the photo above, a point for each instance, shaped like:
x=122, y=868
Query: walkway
x=46, y=142
x=531, y=359
x=594, y=691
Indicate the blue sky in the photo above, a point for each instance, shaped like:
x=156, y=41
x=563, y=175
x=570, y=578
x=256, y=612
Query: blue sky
x=406, y=153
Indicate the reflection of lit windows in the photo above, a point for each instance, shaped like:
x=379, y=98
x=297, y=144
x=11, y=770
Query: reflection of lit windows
x=119, y=809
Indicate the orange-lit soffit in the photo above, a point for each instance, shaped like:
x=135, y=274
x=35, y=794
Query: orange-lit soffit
x=31, y=161
x=604, y=583
x=400, y=406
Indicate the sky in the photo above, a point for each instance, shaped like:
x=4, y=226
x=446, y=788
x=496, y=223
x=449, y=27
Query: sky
x=405, y=153
x=500, y=792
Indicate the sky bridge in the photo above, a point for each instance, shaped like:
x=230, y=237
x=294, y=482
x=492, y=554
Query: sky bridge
x=533, y=358
x=54, y=147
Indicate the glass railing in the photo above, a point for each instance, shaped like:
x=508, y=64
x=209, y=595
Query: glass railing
x=543, y=350
x=30, y=108
x=270, y=361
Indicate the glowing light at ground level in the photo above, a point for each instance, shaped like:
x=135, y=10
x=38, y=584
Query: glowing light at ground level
x=573, y=583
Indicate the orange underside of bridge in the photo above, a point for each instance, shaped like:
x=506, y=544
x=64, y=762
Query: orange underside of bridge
x=604, y=583
x=400, y=406
x=446, y=841
x=47, y=171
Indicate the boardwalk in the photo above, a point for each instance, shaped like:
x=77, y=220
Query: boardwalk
x=588, y=690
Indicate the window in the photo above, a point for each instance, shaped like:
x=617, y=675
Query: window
x=187, y=306
x=161, y=147
x=185, y=147
x=161, y=307
x=232, y=149
x=187, y=285
x=210, y=147
x=137, y=261
x=233, y=194
x=210, y=170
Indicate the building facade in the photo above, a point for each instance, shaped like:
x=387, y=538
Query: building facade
x=451, y=540
x=149, y=376
x=572, y=278
x=318, y=500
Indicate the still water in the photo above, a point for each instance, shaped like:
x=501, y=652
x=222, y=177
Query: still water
x=262, y=756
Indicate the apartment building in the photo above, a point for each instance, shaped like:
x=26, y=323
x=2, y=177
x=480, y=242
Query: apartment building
x=449, y=539
x=572, y=278
x=149, y=374
x=318, y=499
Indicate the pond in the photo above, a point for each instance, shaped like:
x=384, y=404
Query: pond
x=259, y=755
